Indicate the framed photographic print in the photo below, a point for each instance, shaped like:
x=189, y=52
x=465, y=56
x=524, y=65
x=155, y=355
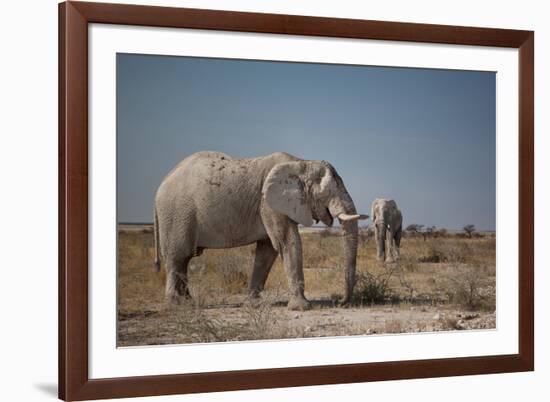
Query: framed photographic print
x=260, y=200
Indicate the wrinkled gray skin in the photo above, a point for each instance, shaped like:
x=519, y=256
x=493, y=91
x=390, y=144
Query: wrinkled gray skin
x=211, y=200
x=387, y=221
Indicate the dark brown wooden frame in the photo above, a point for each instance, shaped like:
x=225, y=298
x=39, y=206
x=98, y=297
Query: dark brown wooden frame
x=74, y=18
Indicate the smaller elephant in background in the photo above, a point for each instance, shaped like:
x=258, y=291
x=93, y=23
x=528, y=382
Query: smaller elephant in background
x=387, y=221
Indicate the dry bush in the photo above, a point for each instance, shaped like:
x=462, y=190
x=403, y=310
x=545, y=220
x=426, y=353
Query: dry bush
x=259, y=319
x=382, y=283
x=468, y=288
x=195, y=325
x=264, y=320
x=405, y=274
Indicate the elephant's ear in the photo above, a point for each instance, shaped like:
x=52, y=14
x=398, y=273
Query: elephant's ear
x=283, y=191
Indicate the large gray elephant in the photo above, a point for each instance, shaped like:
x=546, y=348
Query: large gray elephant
x=210, y=200
x=388, y=222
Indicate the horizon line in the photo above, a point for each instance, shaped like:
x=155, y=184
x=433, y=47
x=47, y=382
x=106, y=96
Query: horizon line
x=312, y=226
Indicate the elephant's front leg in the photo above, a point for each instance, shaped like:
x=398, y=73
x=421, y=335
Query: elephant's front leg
x=391, y=249
x=285, y=238
x=263, y=261
x=396, y=244
x=291, y=251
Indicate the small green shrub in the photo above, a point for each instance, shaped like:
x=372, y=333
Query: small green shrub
x=372, y=289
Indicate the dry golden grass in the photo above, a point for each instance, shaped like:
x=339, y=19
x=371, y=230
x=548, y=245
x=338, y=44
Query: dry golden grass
x=445, y=273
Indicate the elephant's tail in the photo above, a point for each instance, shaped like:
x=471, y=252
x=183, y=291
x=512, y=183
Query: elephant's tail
x=157, y=244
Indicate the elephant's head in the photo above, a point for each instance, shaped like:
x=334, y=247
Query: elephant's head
x=308, y=191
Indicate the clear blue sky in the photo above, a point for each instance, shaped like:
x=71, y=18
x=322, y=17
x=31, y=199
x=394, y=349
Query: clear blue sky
x=423, y=137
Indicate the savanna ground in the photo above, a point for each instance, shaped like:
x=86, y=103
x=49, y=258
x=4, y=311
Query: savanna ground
x=442, y=282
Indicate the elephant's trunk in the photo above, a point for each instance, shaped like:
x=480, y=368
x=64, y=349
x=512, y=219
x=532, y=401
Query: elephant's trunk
x=350, y=231
x=349, y=241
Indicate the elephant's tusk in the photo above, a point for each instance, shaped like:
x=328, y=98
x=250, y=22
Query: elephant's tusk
x=347, y=217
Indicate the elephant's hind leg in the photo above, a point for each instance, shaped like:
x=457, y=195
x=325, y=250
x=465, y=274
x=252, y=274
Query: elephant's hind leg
x=263, y=261
x=397, y=243
x=177, y=287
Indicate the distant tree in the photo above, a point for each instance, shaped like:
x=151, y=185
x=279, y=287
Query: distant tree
x=442, y=232
x=430, y=230
x=469, y=229
x=416, y=228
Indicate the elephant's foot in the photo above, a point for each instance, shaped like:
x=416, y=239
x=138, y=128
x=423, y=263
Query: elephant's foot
x=298, y=303
x=254, y=294
x=175, y=299
x=176, y=291
x=392, y=259
x=253, y=300
x=345, y=301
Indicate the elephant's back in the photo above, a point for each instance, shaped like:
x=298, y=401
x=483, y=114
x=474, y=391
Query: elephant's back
x=194, y=161
x=211, y=181
x=194, y=166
